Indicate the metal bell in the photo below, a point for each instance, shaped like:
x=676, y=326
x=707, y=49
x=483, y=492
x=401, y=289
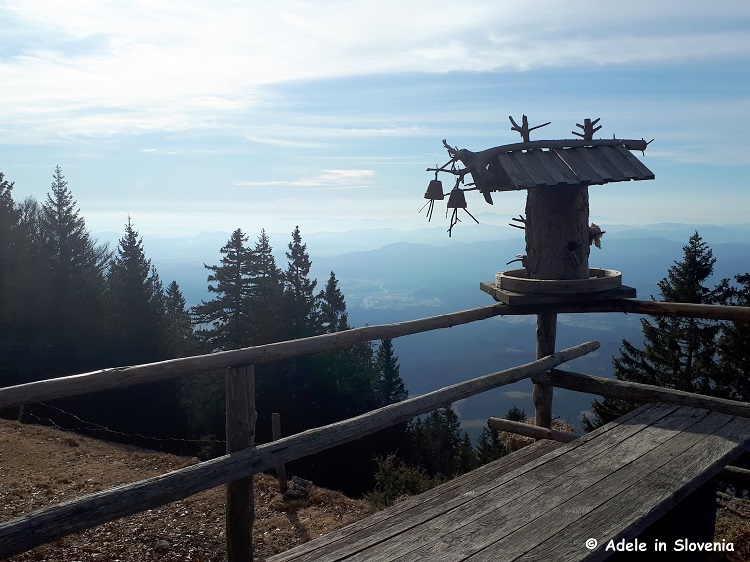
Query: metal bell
x=435, y=191
x=457, y=199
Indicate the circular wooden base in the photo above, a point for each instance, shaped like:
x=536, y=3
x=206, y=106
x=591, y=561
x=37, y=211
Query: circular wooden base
x=598, y=280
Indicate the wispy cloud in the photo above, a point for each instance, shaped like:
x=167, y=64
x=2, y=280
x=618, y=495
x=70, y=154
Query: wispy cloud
x=327, y=179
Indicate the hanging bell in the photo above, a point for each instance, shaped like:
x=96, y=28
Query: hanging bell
x=457, y=199
x=435, y=191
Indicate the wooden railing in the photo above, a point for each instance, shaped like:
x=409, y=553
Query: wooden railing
x=243, y=459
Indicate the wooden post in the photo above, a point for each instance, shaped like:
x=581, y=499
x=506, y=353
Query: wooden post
x=557, y=232
x=20, y=414
x=557, y=248
x=240, y=429
x=546, y=332
x=275, y=436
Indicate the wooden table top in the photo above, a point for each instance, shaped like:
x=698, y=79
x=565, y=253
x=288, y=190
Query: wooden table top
x=545, y=501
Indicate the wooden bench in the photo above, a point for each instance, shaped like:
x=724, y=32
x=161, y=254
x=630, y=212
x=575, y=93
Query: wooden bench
x=547, y=500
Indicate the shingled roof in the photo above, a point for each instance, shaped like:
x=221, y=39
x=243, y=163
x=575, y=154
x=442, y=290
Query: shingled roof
x=592, y=165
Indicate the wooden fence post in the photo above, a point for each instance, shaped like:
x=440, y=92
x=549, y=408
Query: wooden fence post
x=275, y=436
x=546, y=332
x=240, y=429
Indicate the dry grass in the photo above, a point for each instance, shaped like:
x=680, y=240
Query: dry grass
x=40, y=466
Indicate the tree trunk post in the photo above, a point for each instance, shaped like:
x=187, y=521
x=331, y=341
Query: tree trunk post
x=557, y=248
x=275, y=436
x=240, y=430
x=546, y=332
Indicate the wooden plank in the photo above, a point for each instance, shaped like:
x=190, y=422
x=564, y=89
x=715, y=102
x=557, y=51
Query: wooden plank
x=410, y=512
x=506, y=511
x=559, y=172
x=601, y=165
x=659, y=482
x=531, y=161
x=623, y=161
x=393, y=522
x=640, y=393
x=507, y=493
x=645, y=172
x=275, y=436
x=45, y=525
x=515, y=171
x=513, y=298
x=584, y=172
x=576, y=512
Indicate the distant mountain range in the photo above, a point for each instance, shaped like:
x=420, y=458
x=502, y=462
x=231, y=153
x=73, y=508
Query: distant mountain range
x=392, y=275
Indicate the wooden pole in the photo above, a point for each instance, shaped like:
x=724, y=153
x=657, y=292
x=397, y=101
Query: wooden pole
x=275, y=436
x=546, y=333
x=240, y=429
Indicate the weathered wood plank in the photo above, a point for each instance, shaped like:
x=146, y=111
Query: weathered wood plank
x=410, y=512
x=491, y=519
x=638, y=392
x=575, y=511
x=83, y=513
x=657, y=483
x=365, y=537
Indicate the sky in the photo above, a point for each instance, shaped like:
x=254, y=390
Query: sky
x=208, y=116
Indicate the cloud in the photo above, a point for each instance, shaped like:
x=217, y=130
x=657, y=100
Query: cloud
x=326, y=180
x=99, y=68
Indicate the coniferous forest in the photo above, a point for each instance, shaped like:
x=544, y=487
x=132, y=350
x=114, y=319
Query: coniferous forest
x=70, y=305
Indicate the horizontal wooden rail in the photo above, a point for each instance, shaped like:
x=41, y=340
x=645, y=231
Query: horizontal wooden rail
x=529, y=430
x=638, y=392
x=45, y=525
x=120, y=377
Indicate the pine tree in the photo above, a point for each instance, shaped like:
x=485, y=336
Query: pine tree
x=266, y=294
x=301, y=311
x=76, y=281
x=136, y=304
x=180, y=340
x=390, y=384
x=489, y=447
x=734, y=344
x=333, y=315
x=226, y=319
x=678, y=353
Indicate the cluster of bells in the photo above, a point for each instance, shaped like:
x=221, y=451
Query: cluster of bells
x=456, y=201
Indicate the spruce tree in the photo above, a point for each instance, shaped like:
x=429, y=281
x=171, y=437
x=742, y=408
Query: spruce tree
x=136, y=304
x=333, y=315
x=266, y=293
x=678, y=353
x=180, y=340
x=301, y=310
x=75, y=271
x=390, y=384
x=225, y=321
x=734, y=344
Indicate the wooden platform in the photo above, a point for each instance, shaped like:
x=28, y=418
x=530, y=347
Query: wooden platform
x=545, y=501
x=511, y=297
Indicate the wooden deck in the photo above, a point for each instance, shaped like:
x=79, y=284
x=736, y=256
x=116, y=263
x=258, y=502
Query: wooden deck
x=545, y=501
